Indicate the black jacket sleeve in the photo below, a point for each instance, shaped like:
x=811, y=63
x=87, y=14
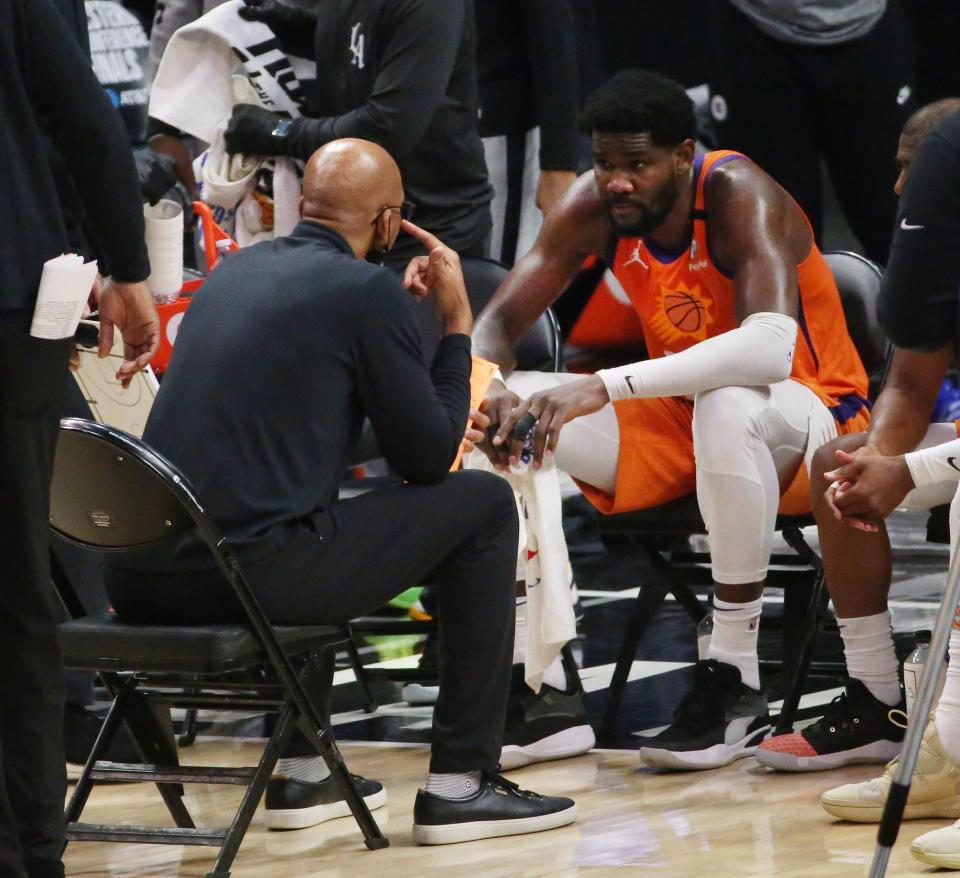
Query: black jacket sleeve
x=418, y=416
x=921, y=288
x=552, y=56
x=419, y=41
x=90, y=136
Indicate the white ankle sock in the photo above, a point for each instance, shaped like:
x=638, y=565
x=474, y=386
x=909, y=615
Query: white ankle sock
x=461, y=785
x=734, y=638
x=520, y=632
x=947, y=716
x=555, y=675
x=871, y=659
x=309, y=769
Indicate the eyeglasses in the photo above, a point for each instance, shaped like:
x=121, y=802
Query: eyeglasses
x=406, y=209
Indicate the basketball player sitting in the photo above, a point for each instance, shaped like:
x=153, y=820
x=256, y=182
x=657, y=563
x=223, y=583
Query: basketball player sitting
x=859, y=727
x=751, y=369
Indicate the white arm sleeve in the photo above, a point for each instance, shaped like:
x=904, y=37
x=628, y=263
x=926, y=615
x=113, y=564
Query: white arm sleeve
x=758, y=352
x=939, y=463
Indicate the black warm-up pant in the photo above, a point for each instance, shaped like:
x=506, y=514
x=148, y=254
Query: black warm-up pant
x=32, y=774
x=788, y=106
x=346, y=560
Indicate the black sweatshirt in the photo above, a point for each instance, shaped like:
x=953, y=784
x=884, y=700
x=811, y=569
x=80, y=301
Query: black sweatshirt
x=286, y=348
x=403, y=74
x=47, y=80
x=920, y=292
x=527, y=61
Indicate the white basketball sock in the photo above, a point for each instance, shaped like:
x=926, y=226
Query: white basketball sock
x=734, y=638
x=947, y=715
x=309, y=769
x=520, y=632
x=555, y=675
x=871, y=659
x=461, y=785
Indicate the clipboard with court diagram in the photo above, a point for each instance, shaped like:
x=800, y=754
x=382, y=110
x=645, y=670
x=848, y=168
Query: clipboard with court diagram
x=127, y=409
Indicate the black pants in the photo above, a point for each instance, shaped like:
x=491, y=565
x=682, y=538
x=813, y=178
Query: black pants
x=32, y=775
x=351, y=558
x=788, y=106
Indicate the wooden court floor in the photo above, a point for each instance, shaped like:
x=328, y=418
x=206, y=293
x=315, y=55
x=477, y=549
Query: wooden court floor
x=738, y=821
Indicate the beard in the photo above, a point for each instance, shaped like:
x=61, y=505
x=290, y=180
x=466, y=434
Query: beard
x=651, y=216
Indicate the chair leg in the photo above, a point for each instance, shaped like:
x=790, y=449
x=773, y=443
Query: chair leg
x=254, y=792
x=107, y=732
x=327, y=748
x=151, y=728
x=648, y=602
x=814, y=616
x=189, y=736
x=570, y=667
x=369, y=702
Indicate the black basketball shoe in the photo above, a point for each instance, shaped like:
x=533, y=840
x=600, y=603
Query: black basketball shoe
x=856, y=728
x=719, y=721
x=498, y=808
x=296, y=804
x=551, y=724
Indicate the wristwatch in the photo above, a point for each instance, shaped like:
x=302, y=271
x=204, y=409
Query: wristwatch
x=281, y=128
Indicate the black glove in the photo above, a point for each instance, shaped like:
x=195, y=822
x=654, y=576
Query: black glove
x=250, y=131
x=293, y=27
x=157, y=174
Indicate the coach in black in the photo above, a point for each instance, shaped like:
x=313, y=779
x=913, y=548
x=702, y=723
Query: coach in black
x=47, y=83
x=290, y=344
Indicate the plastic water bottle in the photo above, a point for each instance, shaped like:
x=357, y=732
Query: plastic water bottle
x=914, y=667
x=704, y=633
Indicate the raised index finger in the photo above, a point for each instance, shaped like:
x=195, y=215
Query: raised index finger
x=431, y=242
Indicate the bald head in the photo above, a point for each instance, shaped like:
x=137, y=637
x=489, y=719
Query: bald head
x=347, y=184
x=916, y=128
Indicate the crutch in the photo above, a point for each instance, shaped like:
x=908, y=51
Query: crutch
x=900, y=788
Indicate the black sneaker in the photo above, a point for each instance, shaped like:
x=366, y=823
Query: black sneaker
x=296, y=804
x=498, y=808
x=540, y=727
x=422, y=692
x=856, y=728
x=719, y=721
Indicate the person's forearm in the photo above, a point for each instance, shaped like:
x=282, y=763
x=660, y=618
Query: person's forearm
x=490, y=341
x=898, y=422
x=90, y=135
x=758, y=352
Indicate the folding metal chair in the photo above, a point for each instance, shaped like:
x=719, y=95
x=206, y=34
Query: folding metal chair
x=112, y=493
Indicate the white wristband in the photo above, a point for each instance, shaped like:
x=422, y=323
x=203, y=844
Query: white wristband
x=938, y=463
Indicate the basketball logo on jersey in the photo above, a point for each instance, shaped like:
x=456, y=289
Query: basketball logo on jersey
x=680, y=314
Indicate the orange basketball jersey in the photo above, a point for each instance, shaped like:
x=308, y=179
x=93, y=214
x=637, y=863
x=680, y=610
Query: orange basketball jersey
x=685, y=297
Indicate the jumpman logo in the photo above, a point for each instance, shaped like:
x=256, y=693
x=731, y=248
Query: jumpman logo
x=635, y=256
x=356, y=45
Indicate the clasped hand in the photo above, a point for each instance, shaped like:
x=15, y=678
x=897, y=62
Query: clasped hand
x=867, y=487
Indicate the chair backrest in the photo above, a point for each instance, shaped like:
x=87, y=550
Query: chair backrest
x=111, y=492
x=858, y=281
x=538, y=350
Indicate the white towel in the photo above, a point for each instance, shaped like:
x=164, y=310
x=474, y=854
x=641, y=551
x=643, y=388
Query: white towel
x=193, y=89
x=196, y=89
x=550, y=618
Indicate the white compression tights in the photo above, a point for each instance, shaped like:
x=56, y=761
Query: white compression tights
x=747, y=442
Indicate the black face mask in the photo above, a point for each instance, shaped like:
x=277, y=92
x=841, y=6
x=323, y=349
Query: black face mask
x=376, y=256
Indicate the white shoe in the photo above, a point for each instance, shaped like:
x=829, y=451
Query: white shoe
x=941, y=847
x=934, y=791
